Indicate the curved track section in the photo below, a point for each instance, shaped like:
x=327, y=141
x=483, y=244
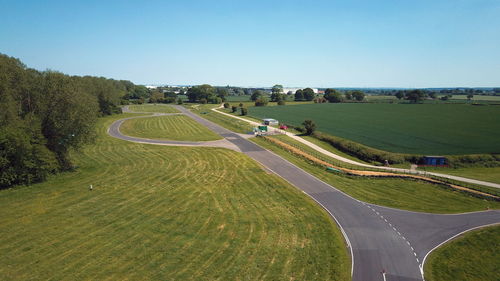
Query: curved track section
x=385, y=243
x=114, y=131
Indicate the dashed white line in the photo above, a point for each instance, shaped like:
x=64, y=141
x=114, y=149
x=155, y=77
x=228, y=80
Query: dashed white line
x=399, y=233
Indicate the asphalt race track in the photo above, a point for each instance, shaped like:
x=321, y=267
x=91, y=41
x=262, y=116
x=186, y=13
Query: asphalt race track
x=384, y=242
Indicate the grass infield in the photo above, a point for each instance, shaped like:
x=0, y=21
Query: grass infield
x=161, y=108
x=166, y=213
x=474, y=256
x=173, y=127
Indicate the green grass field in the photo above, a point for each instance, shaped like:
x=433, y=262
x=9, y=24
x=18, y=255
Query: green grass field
x=397, y=193
x=475, y=256
x=406, y=128
x=491, y=174
x=477, y=98
x=232, y=124
x=174, y=127
x=166, y=213
x=161, y=108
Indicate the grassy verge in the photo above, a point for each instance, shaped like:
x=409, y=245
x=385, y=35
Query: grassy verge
x=475, y=256
x=398, y=193
x=153, y=108
x=491, y=174
x=227, y=122
x=332, y=149
x=165, y=213
x=175, y=127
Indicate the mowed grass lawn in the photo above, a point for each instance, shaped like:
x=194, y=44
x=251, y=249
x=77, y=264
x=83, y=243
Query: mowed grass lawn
x=169, y=127
x=474, y=256
x=161, y=108
x=166, y=213
x=403, y=194
x=406, y=128
x=491, y=174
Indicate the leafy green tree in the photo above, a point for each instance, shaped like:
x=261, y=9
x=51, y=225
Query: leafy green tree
x=470, y=96
x=278, y=89
x=308, y=94
x=275, y=97
x=226, y=105
x=157, y=97
x=309, y=126
x=257, y=94
x=299, y=95
x=348, y=95
x=400, y=95
x=234, y=108
x=282, y=102
x=202, y=92
x=333, y=96
x=416, y=95
x=358, y=95
x=68, y=115
x=261, y=101
x=222, y=93
x=244, y=111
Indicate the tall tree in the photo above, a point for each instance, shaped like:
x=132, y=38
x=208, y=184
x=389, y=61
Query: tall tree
x=308, y=94
x=358, y=95
x=333, y=96
x=299, y=95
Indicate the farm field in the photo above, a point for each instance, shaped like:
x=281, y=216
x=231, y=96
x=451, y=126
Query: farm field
x=173, y=127
x=409, y=195
x=165, y=213
x=161, y=108
x=475, y=256
x=477, y=98
x=442, y=129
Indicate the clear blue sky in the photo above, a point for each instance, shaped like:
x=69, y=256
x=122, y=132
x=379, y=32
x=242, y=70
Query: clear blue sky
x=383, y=43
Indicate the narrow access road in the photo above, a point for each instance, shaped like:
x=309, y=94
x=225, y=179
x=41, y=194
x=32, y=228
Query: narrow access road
x=380, y=239
x=346, y=160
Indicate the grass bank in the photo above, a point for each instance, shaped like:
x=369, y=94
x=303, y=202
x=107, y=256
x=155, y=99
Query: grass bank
x=174, y=127
x=229, y=123
x=161, y=108
x=397, y=193
x=166, y=213
x=474, y=256
x=491, y=174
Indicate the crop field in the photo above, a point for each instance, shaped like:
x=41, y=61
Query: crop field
x=403, y=194
x=153, y=108
x=406, y=128
x=173, y=127
x=165, y=213
x=477, y=98
x=475, y=256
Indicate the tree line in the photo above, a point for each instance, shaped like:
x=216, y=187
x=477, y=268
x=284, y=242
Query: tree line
x=45, y=114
